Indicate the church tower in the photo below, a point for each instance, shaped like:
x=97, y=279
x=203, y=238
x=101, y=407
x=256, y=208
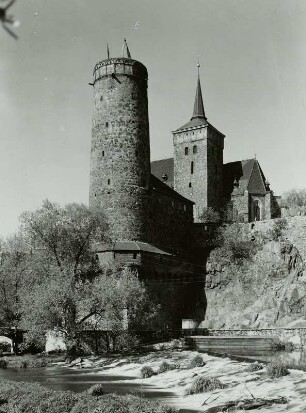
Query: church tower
x=120, y=148
x=198, y=159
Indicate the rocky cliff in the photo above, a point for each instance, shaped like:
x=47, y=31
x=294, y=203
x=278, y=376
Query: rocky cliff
x=266, y=288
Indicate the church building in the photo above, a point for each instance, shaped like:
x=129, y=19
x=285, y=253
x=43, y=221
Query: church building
x=155, y=210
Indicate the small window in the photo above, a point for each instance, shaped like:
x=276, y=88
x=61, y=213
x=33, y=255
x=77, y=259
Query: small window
x=192, y=167
x=134, y=255
x=103, y=153
x=106, y=124
x=101, y=98
x=186, y=151
x=108, y=182
x=195, y=149
x=190, y=185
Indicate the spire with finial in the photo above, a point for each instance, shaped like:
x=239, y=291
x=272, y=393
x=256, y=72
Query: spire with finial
x=126, y=50
x=198, y=109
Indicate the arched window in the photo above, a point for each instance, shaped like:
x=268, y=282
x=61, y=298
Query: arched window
x=186, y=151
x=192, y=167
x=195, y=149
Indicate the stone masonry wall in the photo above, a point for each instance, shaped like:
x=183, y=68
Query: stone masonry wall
x=171, y=222
x=198, y=163
x=120, y=150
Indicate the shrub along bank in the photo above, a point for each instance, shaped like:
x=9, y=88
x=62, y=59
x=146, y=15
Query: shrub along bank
x=21, y=397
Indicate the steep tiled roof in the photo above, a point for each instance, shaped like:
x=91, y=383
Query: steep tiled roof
x=247, y=174
x=158, y=185
x=193, y=123
x=164, y=167
x=130, y=246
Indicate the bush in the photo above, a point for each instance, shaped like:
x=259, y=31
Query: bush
x=276, y=370
x=166, y=367
x=210, y=215
x=97, y=390
x=254, y=367
x=146, y=372
x=3, y=364
x=197, y=361
x=126, y=341
x=289, y=346
x=32, y=344
x=5, y=347
x=279, y=226
x=203, y=384
x=278, y=345
x=22, y=362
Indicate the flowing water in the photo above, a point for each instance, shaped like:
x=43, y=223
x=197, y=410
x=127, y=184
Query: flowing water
x=78, y=380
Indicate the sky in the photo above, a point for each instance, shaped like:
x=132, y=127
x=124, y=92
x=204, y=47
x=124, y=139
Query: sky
x=253, y=75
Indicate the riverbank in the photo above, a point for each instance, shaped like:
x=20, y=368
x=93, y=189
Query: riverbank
x=23, y=397
x=238, y=382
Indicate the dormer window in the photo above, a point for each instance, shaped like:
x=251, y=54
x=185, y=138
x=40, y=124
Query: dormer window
x=165, y=177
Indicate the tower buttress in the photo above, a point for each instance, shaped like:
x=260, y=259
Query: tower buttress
x=198, y=159
x=120, y=148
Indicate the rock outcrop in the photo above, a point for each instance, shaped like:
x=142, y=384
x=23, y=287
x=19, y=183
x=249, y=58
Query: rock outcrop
x=267, y=290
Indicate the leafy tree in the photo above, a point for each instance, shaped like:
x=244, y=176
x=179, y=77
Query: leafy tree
x=67, y=289
x=210, y=215
x=62, y=263
x=294, y=201
x=13, y=270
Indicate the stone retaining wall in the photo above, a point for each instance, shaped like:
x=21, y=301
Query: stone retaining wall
x=296, y=336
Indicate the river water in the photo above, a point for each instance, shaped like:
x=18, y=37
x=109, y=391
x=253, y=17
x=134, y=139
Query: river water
x=78, y=380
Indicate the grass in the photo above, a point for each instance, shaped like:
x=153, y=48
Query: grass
x=29, y=361
x=22, y=397
x=204, y=384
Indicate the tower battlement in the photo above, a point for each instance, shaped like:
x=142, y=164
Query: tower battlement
x=119, y=66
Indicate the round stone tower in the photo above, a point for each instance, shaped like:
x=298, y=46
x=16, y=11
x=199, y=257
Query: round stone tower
x=120, y=147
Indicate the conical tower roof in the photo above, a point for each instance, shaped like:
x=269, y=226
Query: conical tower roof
x=198, y=117
x=198, y=109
